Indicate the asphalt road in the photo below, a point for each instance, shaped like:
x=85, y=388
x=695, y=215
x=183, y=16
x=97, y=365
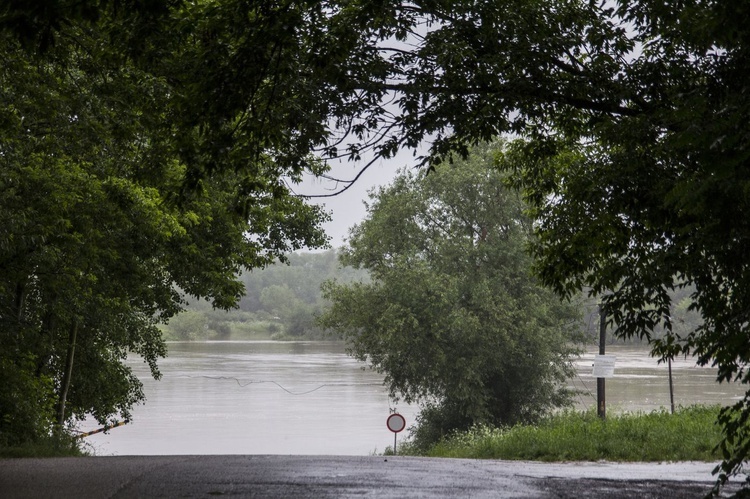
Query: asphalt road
x=342, y=477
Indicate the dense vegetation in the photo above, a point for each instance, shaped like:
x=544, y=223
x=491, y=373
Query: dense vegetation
x=281, y=301
x=633, y=115
x=452, y=315
x=120, y=183
x=691, y=434
x=55, y=444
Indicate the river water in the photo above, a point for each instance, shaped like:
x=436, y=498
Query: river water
x=311, y=398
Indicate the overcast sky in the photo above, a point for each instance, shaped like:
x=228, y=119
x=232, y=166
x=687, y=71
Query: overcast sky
x=348, y=208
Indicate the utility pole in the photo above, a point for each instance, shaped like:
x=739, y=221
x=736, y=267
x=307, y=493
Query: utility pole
x=601, y=403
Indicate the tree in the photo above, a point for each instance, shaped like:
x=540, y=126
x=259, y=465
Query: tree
x=635, y=117
x=453, y=316
x=189, y=325
x=282, y=299
x=113, y=197
x=636, y=155
x=634, y=111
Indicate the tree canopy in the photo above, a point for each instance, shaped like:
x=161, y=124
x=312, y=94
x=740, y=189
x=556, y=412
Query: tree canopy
x=114, y=194
x=635, y=115
x=452, y=315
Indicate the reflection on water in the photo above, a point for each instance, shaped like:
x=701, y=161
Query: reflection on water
x=311, y=398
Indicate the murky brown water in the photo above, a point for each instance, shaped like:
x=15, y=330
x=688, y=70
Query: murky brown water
x=256, y=398
x=311, y=398
x=641, y=384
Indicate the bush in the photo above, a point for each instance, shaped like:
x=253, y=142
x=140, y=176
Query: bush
x=689, y=434
x=57, y=444
x=26, y=408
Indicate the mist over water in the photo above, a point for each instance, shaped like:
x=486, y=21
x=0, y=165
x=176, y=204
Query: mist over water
x=312, y=398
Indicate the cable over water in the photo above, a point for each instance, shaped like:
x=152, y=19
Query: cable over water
x=256, y=382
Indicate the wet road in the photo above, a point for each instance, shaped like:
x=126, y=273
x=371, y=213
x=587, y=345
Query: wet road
x=343, y=477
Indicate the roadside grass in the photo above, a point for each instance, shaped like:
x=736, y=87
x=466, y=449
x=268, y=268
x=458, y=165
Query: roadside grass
x=688, y=435
x=52, y=446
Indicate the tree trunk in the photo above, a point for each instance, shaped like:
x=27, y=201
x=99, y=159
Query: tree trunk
x=19, y=301
x=65, y=384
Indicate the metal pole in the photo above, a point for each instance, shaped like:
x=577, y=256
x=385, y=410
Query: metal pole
x=394, y=443
x=601, y=403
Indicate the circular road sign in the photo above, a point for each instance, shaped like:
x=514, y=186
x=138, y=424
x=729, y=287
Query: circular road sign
x=396, y=423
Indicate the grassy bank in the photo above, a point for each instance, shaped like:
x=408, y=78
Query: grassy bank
x=53, y=446
x=689, y=434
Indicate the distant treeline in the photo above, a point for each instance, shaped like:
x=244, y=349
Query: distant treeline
x=684, y=319
x=281, y=302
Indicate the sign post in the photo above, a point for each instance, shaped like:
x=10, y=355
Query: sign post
x=601, y=404
x=396, y=423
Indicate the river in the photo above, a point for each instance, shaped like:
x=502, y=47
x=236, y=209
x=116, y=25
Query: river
x=266, y=397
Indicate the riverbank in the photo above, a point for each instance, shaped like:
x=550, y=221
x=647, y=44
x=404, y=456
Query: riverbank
x=688, y=435
x=658, y=436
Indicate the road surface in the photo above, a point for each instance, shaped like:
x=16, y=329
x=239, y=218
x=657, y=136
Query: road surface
x=344, y=477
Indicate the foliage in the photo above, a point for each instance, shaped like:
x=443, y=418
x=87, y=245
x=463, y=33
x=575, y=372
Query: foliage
x=281, y=301
x=635, y=115
x=27, y=401
x=57, y=444
x=291, y=293
x=117, y=185
x=690, y=434
x=636, y=120
x=188, y=325
x=452, y=316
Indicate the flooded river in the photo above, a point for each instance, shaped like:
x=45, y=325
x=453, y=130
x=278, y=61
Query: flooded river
x=642, y=384
x=311, y=398
x=257, y=398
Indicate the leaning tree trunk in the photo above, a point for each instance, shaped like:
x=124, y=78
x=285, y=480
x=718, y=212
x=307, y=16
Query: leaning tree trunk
x=67, y=374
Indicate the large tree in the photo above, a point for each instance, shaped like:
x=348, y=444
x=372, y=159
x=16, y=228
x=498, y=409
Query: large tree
x=636, y=158
x=452, y=315
x=636, y=115
x=648, y=98
x=122, y=180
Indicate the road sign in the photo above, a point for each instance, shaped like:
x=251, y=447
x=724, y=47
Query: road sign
x=604, y=366
x=396, y=422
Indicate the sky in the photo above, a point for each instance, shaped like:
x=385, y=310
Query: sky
x=347, y=208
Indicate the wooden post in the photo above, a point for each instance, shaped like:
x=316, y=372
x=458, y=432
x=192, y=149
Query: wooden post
x=671, y=386
x=601, y=402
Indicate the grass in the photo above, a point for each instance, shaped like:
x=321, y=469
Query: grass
x=247, y=331
x=688, y=435
x=52, y=446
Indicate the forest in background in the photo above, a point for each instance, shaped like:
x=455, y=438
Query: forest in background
x=281, y=302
